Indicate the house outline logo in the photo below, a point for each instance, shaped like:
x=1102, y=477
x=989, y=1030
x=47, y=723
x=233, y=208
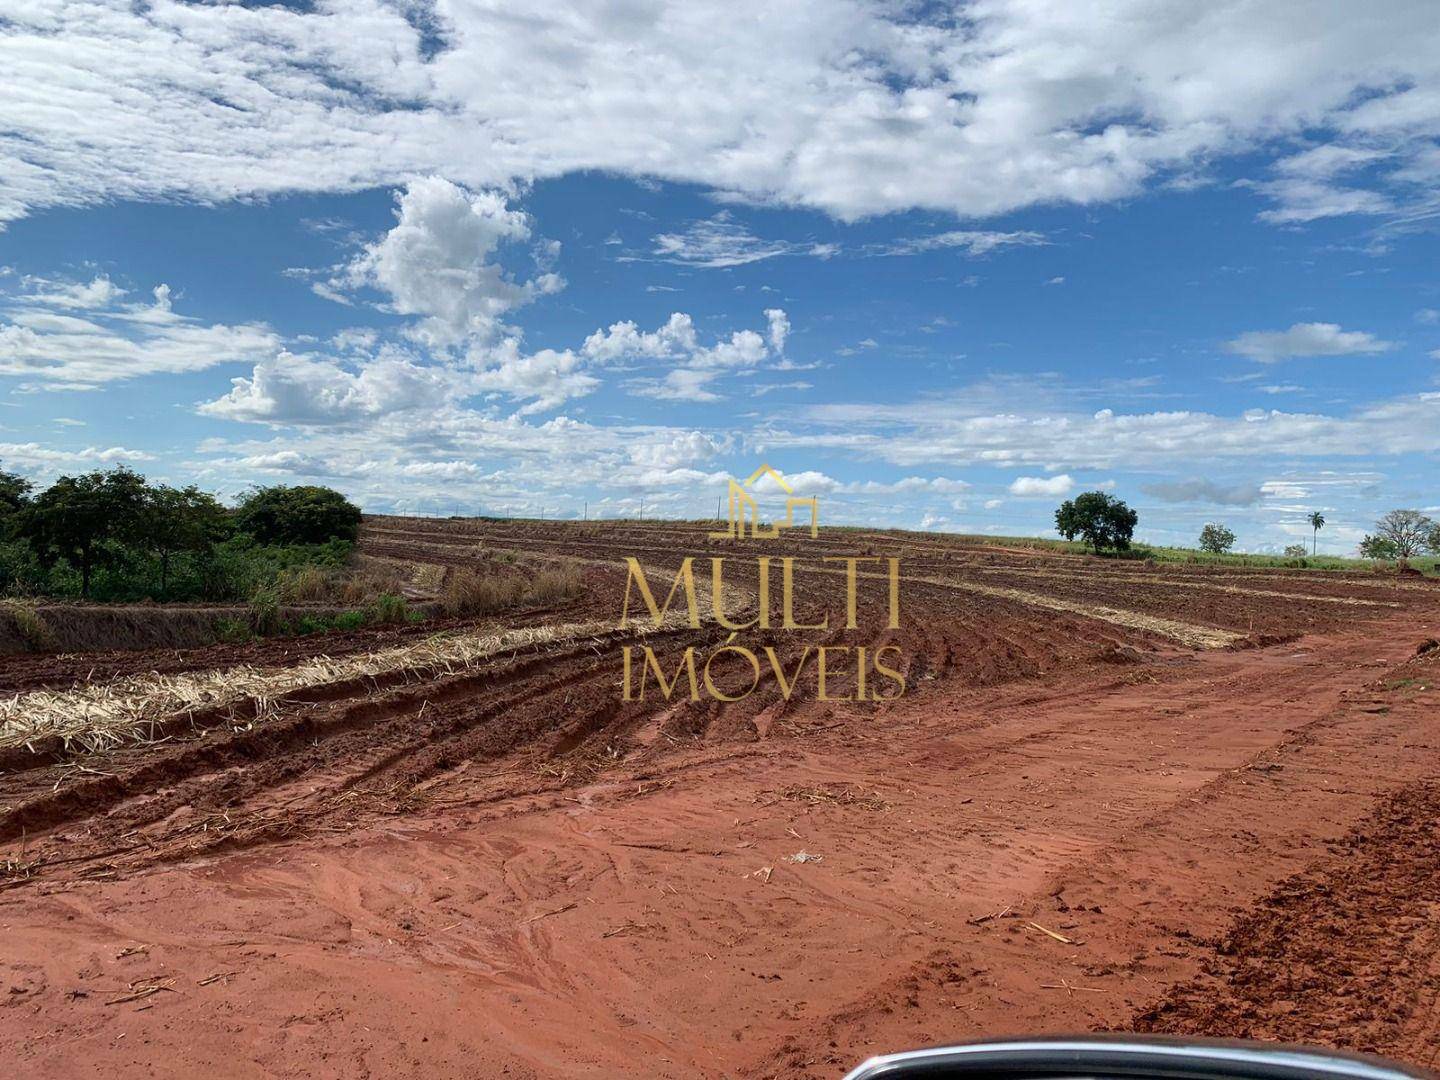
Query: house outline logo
x=742, y=501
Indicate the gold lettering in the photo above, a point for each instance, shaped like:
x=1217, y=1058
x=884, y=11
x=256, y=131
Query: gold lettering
x=685, y=577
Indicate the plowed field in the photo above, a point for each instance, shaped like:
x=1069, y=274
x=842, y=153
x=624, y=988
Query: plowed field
x=454, y=850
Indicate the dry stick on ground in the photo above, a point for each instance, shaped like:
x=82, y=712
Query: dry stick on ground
x=547, y=914
x=1070, y=988
x=1051, y=933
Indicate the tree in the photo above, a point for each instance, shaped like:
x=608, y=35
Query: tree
x=77, y=516
x=297, y=515
x=1216, y=539
x=14, y=497
x=1409, y=531
x=1102, y=520
x=1377, y=547
x=180, y=519
x=1295, y=551
x=1317, y=522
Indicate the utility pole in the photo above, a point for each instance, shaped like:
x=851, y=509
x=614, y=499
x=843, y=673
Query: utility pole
x=586, y=516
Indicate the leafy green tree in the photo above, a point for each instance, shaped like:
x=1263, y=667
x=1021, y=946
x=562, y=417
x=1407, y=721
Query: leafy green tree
x=180, y=519
x=1408, y=531
x=78, y=516
x=1101, y=520
x=1317, y=522
x=297, y=515
x=1377, y=547
x=1295, y=551
x=14, y=497
x=1216, y=539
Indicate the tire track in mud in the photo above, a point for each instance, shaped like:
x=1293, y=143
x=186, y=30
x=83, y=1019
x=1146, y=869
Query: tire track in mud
x=350, y=751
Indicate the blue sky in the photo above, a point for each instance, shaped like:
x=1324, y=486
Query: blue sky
x=941, y=267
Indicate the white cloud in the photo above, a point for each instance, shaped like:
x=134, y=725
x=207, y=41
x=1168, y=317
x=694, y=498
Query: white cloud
x=1427, y=316
x=623, y=340
x=436, y=262
x=779, y=328
x=1306, y=339
x=546, y=379
x=848, y=107
x=972, y=241
x=721, y=241
x=697, y=366
x=31, y=457
x=1010, y=427
x=64, y=335
x=806, y=483
x=304, y=390
x=1037, y=486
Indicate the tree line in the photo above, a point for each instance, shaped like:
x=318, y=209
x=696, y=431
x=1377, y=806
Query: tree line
x=1106, y=523
x=138, y=540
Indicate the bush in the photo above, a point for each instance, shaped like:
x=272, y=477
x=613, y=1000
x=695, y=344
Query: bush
x=349, y=620
x=232, y=631
x=388, y=609
x=467, y=592
x=297, y=515
x=30, y=625
x=306, y=584
x=265, y=612
x=552, y=586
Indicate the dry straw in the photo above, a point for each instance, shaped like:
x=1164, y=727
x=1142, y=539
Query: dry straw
x=138, y=709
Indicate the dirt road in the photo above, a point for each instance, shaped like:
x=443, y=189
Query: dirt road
x=1056, y=852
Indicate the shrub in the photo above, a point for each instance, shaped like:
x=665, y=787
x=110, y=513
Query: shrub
x=232, y=631
x=551, y=586
x=31, y=626
x=297, y=515
x=265, y=612
x=469, y=593
x=387, y=609
x=303, y=584
x=349, y=620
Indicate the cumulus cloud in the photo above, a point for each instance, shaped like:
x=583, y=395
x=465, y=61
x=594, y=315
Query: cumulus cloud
x=1306, y=339
x=436, y=262
x=305, y=390
x=545, y=379
x=1038, y=486
x=1205, y=491
x=849, y=107
x=696, y=366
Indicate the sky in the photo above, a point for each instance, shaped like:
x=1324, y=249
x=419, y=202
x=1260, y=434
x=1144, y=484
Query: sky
x=942, y=265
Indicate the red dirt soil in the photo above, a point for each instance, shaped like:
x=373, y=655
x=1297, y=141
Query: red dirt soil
x=507, y=871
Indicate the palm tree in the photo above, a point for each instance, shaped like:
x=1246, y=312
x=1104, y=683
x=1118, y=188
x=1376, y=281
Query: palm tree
x=1317, y=522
